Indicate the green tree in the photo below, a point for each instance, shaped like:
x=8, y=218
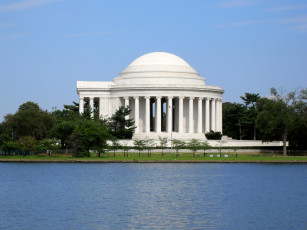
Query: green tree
x=7, y=144
x=76, y=142
x=194, y=145
x=115, y=145
x=212, y=135
x=163, y=143
x=278, y=117
x=27, y=143
x=233, y=114
x=219, y=146
x=250, y=101
x=119, y=125
x=298, y=133
x=149, y=145
x=90, y=135
x=48, y=145
x=205, y=146
x=73, y=108
x=63, y=130
x=125, y=147
x=178, y=144
x=29, y=120
x=139, y=145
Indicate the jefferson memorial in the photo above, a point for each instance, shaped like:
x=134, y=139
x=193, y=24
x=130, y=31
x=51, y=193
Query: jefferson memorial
x=167, y=98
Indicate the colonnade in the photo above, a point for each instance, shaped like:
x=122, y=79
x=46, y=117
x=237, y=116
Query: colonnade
x=203, y=115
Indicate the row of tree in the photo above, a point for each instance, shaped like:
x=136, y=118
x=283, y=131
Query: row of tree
x=149, y=144
x=280, y=117
x=32, y=128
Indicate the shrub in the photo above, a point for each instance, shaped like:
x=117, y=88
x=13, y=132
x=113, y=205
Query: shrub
x=213, y=135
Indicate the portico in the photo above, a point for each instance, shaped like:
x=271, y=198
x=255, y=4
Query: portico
x=166, y=96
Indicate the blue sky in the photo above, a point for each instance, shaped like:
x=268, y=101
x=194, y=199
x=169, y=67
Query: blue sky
x=241, y=45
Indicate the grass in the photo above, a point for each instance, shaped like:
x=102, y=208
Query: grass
x=157, y=157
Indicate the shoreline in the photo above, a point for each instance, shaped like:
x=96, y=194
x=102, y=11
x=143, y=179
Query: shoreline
x=269, y=161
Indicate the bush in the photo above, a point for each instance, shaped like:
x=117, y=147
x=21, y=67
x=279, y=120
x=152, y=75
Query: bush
x=213, y=135
x=83, y=154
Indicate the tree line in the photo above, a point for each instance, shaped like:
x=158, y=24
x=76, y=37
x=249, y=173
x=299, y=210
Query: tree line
x=280, y=117
x=31, y=128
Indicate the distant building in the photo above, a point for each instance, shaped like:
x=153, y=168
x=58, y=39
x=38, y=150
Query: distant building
x=166, y=95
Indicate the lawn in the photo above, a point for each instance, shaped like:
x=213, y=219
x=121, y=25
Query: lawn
x=157, y=157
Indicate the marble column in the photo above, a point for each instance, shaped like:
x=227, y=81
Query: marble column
x=200, y=115
x=126, y=104
x=207, y=127
x=136, y=114
x=180, y=115
x=217, y=109
x=147, y=115
x=221, y=116
x=213, y=114
x=81, y=105
x=158, y=114
x=92, y=106
x=170, y=115
x=191, y=123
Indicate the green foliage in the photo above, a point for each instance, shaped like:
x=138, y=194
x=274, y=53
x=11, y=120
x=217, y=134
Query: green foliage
x=139, y=145
x=7, y=144
x=63, y=130
x=281, y=116
x=115, y=145
x=89, y=135
x=73, y=108
x=194, y=145
x=125, y=147
x=205, y=146
x=163, y=143
x=29, y=120
x=212, y=135
x=119, y=126
x=83, y=154
x=149, y=145
x=48, y=145
x=219, y=146
x=178, y=144
x=233, y=119
x=4, y=138
x=29, y=106
x=250, y=114
x=27, y=143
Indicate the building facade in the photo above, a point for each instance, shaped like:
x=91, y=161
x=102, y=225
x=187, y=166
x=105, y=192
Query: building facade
x=167, y=97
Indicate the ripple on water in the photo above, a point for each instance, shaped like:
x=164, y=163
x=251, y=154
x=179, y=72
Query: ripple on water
x=153, y=196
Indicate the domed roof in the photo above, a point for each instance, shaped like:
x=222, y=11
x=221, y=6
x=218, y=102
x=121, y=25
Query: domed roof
x=159, y=62
x=159, y=68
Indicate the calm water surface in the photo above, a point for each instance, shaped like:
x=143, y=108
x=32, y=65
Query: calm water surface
x=153, y=196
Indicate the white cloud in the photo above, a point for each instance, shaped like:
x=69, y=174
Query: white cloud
x=244, y=23
x=237, y=3
x=8, y=37
x=24, y=5
x=298, y=24
x=287, y=8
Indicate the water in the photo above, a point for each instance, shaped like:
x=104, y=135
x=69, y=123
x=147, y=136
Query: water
x=153, y=196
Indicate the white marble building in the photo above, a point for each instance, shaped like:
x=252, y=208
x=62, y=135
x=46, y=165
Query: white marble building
x=166, y=95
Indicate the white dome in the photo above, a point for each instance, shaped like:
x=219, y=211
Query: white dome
x=159, y=68
x=159, y=62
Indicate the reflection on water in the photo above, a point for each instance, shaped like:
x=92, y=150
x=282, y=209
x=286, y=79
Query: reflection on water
x=153, y=196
